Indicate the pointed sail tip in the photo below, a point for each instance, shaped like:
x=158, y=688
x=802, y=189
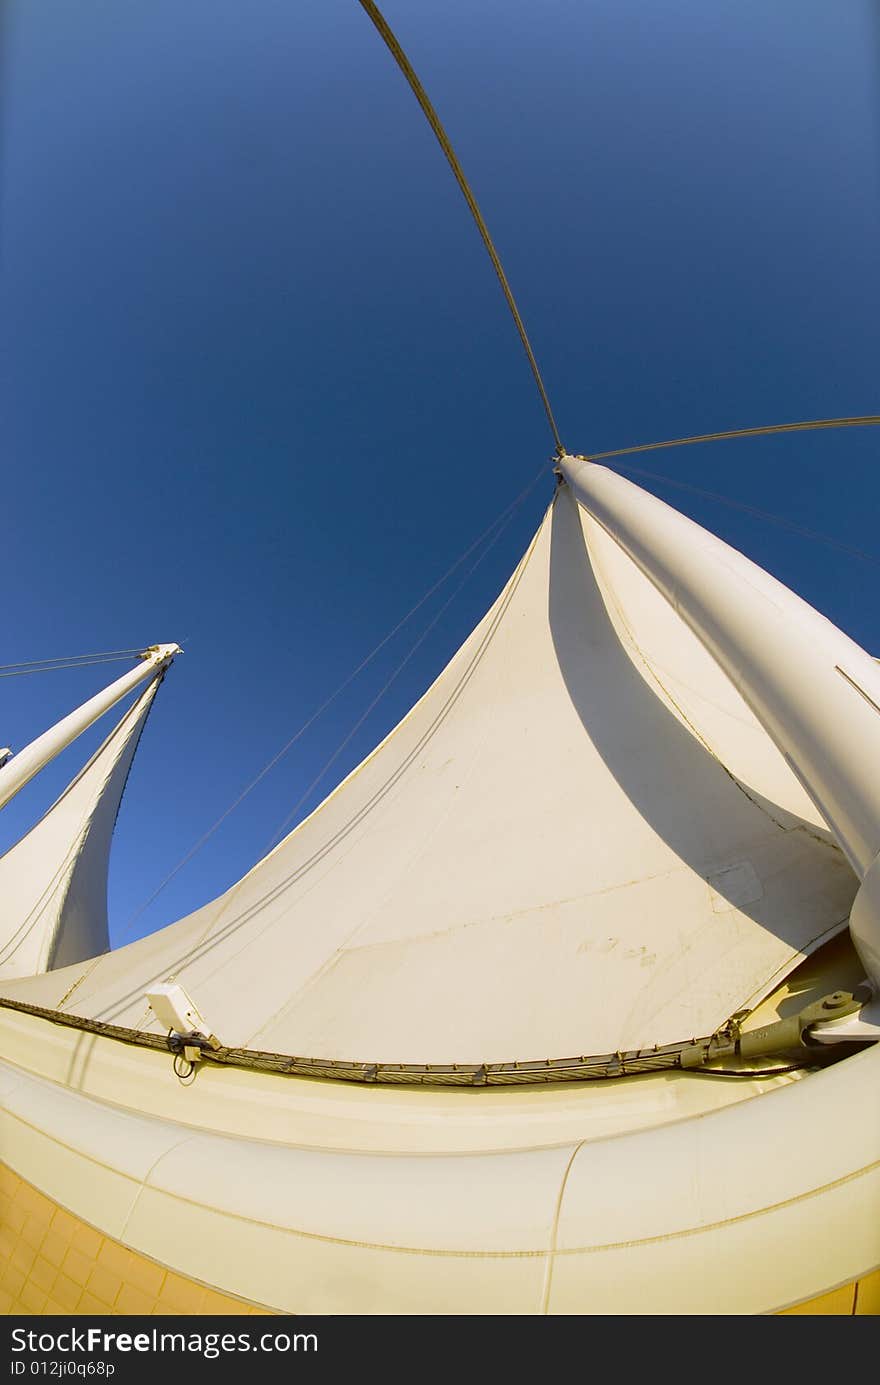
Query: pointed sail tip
x=570, y=465
x=53, y=881
x=31, y=759
x=563, y=461
x=161, y=653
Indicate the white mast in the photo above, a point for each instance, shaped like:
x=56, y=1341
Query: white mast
x=53, y=881
x=815, y=691
x=21, y=768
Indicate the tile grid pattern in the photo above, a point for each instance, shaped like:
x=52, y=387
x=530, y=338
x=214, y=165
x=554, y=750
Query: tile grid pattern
x=51, y=1262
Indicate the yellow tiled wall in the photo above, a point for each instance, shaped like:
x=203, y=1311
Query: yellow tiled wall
x=50, y=1262
x=863, y=1297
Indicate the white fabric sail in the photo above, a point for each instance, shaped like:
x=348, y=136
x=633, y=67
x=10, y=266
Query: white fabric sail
x=53, y=881
x=579, y=841
x=18, y=770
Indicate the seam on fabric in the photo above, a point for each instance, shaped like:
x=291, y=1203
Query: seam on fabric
x=480, y=1254
x=554, y=1234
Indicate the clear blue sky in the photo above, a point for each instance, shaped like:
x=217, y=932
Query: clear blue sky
x=260, y=388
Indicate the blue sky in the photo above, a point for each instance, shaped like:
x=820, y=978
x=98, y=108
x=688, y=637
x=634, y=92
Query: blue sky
x=259, y=387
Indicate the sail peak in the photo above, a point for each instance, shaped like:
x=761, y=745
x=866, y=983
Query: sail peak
x=53, y=881
x=18, y=770
x=580, y=840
